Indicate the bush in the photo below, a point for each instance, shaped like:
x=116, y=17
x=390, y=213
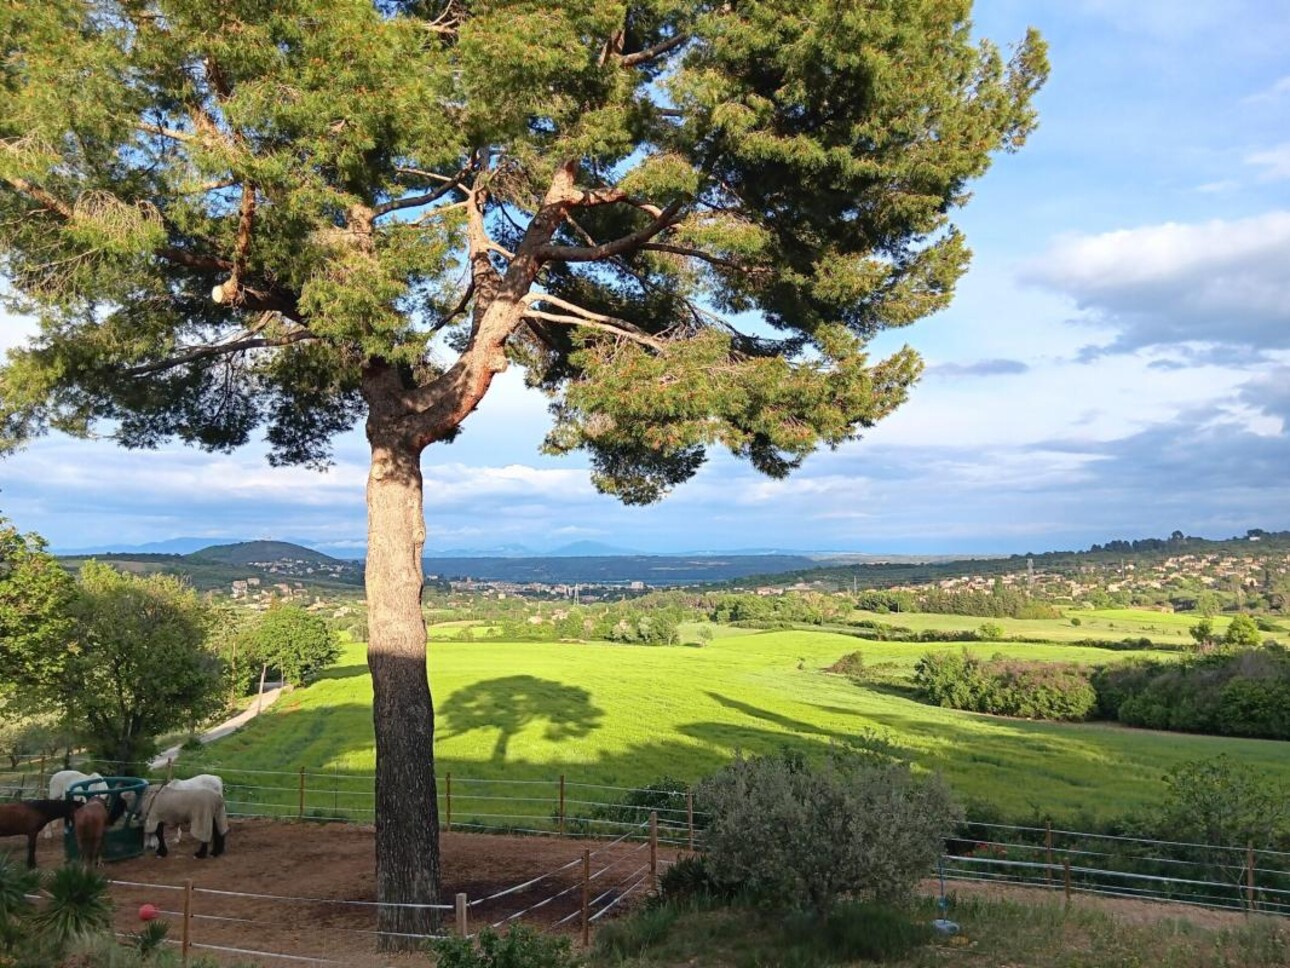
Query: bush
x=789, y=833
x=1241, y=694
x=689, y=880
x=855, y=931
x=1031, y=690
x=520, y=947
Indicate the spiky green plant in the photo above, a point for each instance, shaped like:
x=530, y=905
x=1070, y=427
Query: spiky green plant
x=78, y=904
x=17, y=884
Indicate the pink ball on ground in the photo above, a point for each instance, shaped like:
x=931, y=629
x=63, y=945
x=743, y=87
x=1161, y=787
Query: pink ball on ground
x=147, y=912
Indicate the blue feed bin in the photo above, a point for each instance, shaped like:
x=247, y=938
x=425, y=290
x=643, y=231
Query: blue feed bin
x=124, y=839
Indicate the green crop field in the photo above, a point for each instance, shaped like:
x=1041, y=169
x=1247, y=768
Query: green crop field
x=1116, y=624
x=627, y=715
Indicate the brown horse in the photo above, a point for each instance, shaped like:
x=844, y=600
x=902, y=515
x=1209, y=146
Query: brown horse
x=91, y=822
x=28, y=817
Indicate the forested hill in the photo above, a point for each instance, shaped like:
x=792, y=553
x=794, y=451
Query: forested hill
x=217, y=567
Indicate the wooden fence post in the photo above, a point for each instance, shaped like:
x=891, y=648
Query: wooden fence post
x=186, y=936
x=1048, y=850
x=1066, y=877
x=689, y=816
x=448, y=796
x=561, y=804
x=40, y=780
x=586, y=897
x=1249, y=876
x=300, y=810
x=462, y=908
x=170, y=768
x=653, y=851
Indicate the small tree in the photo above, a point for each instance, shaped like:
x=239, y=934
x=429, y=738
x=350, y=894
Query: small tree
x=138, y=665
x=789, y=832
x=1224, y=803
x=1204, y=634
x=1243, y=633
x=35, y=592
x=296, y=643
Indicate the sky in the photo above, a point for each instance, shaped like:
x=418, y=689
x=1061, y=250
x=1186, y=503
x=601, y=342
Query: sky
x=1116, y=362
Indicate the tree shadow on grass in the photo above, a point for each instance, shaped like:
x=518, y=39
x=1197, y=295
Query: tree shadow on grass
x=345, y=671
x=512, y=703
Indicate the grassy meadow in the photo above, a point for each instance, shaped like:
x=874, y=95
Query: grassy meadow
x=621, y=715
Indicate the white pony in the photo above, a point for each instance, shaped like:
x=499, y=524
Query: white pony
x=202, y=781
x=62, y=780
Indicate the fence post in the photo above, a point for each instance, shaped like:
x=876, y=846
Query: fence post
x=300, y=810
x=689, y=816
x=1066, y=878
x=170, y=768
x=1048, y=850
x=561, y=804
x=448, y=796
x=1249, y=876
x=463, y=925
x=40, y=780
x=586, y=896
x=186, y=936
x=653, y=851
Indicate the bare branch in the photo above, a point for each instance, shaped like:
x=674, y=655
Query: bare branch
x=240, y=345
x=643, y=339
x=609, y=196
x=413, y=201
x=194, y=260
x=433, y=176
x=173, y=133
x=650, y=54
x=628, y=243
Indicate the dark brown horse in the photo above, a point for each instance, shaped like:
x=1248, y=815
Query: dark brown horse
x=28, y=817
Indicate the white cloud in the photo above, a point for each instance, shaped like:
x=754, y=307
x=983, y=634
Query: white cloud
x=1223, y=281
x=1275, y=162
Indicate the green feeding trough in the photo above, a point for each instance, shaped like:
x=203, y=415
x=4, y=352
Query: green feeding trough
x=124, y=839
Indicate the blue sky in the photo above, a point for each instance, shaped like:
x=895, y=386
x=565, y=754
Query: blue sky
x=1116, y=363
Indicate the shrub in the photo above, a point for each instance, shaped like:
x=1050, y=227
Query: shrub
x=850, y=665
x=630, y=937
x=689, y=880
x=788, y=833
x=855, y=931
x=520, y=947
x=1032, y=690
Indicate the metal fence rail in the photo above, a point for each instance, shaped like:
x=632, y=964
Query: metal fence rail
x=1218, y=876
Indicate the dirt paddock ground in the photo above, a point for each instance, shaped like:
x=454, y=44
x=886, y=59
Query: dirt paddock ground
x=324, y=863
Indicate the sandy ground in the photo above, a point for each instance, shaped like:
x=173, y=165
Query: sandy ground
x=323, y=863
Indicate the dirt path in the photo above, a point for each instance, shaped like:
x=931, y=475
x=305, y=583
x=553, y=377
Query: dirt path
x=230, y=725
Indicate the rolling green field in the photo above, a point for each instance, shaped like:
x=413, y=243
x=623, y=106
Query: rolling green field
x=627, y=715
x=1115, y=624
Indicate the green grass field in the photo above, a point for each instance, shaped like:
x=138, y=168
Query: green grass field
x=1115, y=624
x=626, y=715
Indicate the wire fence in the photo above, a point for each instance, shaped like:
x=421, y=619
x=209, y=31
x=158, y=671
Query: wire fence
x=1078, y=862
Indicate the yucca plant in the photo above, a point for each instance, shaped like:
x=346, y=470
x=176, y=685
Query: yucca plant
x=150, y=938
x=17, y=884
x=78, y=904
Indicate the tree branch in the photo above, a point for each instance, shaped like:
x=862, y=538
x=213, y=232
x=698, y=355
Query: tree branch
x=413, y=201
x=173, y=133
x=650, y=54
x=36, y=193
x=628, y=243
x=644, y=340
x=196, y=353
x=715, y=260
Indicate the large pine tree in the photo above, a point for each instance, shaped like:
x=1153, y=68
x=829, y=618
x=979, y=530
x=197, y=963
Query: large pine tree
x=300, y=214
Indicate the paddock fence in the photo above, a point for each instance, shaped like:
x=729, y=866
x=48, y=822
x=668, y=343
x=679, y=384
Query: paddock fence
x=1234, y=877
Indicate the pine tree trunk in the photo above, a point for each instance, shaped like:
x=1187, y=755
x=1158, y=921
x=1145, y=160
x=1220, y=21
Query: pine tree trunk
x=407, y=815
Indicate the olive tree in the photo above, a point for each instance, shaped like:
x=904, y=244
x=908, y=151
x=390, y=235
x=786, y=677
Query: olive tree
x=307, y=214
